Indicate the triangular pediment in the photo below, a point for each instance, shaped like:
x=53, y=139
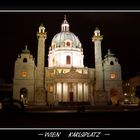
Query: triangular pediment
x=73, y=75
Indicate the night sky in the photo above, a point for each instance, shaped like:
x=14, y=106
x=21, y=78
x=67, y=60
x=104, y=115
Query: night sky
x=121, y=33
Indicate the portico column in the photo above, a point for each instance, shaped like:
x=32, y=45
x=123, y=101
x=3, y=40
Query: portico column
x=89, y=91
x=68, y=97
x=76, y=92
x=83, y=92
x=55, y=91
x=62, y=91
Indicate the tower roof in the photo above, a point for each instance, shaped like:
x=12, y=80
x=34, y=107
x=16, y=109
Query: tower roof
x=26, y=50
x=109, y=54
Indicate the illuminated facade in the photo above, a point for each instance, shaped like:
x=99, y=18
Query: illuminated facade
x=66, y=79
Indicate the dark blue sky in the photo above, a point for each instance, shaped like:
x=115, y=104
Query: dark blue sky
x=121, y=31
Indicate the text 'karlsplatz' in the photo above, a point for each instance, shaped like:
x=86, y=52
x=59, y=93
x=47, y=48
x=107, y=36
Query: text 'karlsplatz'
x=71, y=134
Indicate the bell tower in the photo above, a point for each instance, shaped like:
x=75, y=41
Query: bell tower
x=24, y=77
x=112, y=78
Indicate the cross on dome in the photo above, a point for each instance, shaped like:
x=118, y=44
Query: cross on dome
x=65, y=17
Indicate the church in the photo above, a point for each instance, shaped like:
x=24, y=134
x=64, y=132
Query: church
x=66, y=80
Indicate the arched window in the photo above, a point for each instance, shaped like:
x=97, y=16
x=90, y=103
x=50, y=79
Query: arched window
x=53, y=61
x=68, y=59
x=111, y=63
x=25, y=60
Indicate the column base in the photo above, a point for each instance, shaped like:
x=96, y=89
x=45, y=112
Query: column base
x=40, y=96
x=101, y=97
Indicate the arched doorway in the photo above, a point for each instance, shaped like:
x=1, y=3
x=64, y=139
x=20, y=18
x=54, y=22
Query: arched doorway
x=114, y=96
x=23, y=95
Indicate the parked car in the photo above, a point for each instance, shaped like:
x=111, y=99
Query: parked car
x=11, y=105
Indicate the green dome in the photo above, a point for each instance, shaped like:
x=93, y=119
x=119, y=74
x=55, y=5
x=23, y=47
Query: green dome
x=65, y=38
x=61, y=39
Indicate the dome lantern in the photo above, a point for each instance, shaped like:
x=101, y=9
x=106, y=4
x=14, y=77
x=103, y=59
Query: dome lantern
x=65, y=25
x=65, y=38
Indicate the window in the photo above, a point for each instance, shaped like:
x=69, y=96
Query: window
x=68, y=60
x=25, y=60
x=111, y=63
x=24, y=74
x=51, y=88
x=53, y=45
x=68, y=43
x=113, y=76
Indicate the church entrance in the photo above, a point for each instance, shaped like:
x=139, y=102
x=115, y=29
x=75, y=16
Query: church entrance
x=71, y=96
x=23, y=95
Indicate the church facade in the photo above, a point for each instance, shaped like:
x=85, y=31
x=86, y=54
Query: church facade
x=66, y=79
